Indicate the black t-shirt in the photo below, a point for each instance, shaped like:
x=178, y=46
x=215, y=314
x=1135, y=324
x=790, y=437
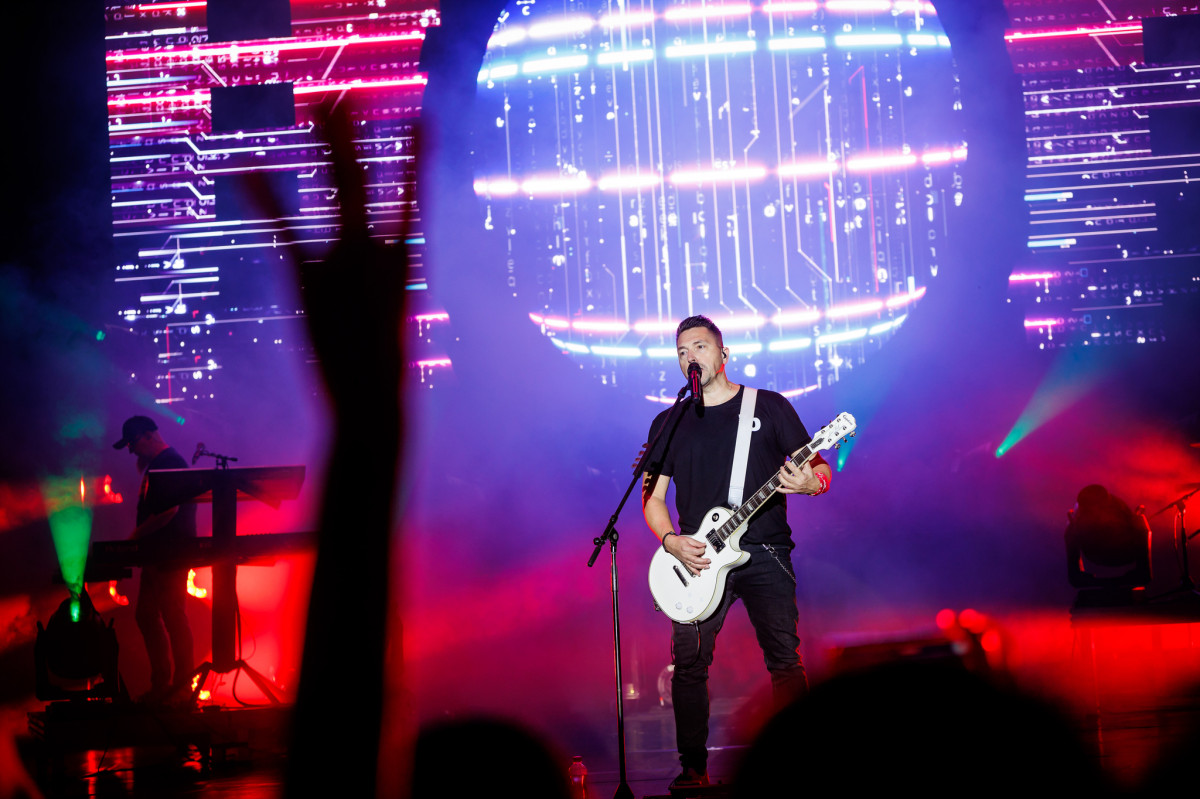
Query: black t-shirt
x=183, y=524
x=699, y=458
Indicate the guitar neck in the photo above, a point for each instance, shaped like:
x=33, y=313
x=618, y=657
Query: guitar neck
x=739, y=517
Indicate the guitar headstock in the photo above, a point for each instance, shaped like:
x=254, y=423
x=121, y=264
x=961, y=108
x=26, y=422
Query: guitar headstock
x=834, y=433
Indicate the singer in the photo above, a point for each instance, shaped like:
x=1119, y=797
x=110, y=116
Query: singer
x=161, y=523
x=698, y=453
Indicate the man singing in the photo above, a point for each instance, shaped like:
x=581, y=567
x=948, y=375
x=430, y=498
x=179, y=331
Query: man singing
x=697, y=452
x=161, y=523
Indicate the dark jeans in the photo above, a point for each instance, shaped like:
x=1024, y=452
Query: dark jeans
x=162, y=618
x=769, y=593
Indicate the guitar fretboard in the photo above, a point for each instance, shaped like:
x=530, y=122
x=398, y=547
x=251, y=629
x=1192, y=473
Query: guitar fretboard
x=739, y=517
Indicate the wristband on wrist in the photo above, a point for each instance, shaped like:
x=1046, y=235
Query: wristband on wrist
x=664, y=538
x=824, y=483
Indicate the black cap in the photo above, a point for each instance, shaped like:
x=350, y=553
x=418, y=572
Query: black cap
x=134, y=426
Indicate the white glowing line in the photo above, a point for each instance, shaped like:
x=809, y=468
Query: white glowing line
x=923, y=39
x=855, y=6
x=868, y=40
x=905, y=299
x=569, y=346
x=798, y=43
x=795, y=392
x=789, y=344
x=749, y=348
x=707, y=12
x=627, y=20
x=506, y=37
x=610, y=182
x=547, y=30
x=661, y=352
x=183, y=296
x=937, y=157
x=556, y=185
x=867, y=163
x=712, y=48
x=624, y=57
x=883, y=327
x=498, y=188
x=789, y=8
x=503, y=71
x=540, y=65
x=718, y=175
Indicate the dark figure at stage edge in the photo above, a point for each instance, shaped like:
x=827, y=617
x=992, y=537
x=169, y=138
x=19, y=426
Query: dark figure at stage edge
x=697, y=452
x=161, y=524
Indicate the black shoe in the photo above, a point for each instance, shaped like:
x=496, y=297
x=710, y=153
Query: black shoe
x=690, y=778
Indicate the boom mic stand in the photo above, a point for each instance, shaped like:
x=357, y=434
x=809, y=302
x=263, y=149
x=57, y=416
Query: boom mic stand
x=610, y=535
x=1186, y=584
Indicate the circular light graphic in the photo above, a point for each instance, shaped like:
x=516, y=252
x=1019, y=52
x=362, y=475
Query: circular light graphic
x=786, y=168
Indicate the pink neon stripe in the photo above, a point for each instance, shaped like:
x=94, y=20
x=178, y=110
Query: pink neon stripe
x=313, y=88
x=1052, y=34
x=905, y=299
x=854, y=309
x=795, y=317
x=1017, y=277
x=259, y=46
x=1041, y=322
x=650, y=326
x=746, y=322
x=708, y=12
x=870, y=163
x=168, y=6
x=785, y=8
x=855, y=6
x=557, y=324
x=434, y=362
x=718, y=175
x=600, y=326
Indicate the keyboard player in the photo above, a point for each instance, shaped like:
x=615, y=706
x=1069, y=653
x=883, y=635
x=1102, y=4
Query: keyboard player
x=162, y=524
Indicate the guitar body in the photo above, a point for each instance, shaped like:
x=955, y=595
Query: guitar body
x=686, y=598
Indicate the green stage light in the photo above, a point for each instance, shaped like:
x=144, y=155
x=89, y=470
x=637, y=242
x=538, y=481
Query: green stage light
x=70, y=527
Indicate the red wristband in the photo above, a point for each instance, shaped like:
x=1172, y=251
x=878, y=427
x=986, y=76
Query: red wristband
x=824, y=483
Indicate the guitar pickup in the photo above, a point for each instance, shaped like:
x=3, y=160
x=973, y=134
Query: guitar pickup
x=715, y=541
x=679, y=574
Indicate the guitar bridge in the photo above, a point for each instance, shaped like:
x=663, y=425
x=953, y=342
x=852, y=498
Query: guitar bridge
x=679, y=574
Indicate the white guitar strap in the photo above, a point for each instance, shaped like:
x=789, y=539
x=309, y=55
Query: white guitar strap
x=741, y=450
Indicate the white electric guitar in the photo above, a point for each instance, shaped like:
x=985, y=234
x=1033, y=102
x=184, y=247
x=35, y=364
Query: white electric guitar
x=687, y=597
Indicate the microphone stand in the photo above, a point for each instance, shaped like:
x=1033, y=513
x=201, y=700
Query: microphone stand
x=1186, y=585
x=610, y=535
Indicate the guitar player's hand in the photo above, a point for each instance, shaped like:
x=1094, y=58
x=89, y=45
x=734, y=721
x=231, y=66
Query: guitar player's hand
x=800, y=479
x=689, y=551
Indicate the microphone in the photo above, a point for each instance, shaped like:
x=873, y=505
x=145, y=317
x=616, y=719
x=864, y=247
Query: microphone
x=694, y=379
x=198, y=453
